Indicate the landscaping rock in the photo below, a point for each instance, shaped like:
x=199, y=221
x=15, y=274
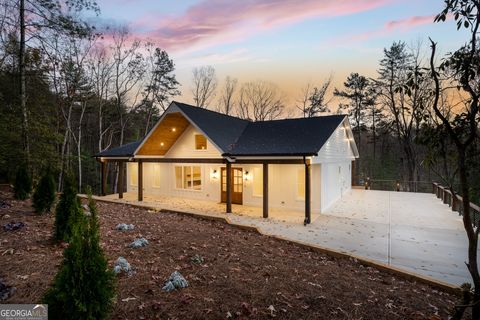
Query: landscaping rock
x=6, y=291
x=4, y=205
x=125, y=227
x=176, y=281
x=13, y=226
x=86, y=210
x=122, y=265
x=138, y=242
x=197, y=259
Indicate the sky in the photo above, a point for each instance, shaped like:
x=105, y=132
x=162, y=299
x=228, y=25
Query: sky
x=287, y=42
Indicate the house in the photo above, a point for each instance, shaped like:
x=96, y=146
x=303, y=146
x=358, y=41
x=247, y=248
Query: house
x=294, y=164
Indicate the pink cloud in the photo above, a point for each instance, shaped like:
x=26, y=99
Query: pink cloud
x=213, y=22
x=391, y=26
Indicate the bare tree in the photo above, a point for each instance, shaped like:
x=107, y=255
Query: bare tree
x=313, y=100
x=226, y=102
x=128, y=72
x=204, y=85
x=260, y=101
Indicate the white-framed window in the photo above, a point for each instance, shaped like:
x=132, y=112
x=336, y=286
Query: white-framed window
x=200, y=142
x=133, y=173
x=258, y=182
x=188, y=177
x=156, y=175
x=301, y=183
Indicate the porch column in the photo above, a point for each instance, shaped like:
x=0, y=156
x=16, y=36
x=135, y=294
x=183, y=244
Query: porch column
x=103, y=169
x=229, y=187
x=307, y=194
x=140, y=180
x=353, y=173
x=121, y=168
x=265, y=190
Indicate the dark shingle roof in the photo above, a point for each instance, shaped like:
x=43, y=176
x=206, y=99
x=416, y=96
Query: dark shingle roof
x=223, y=130
x=295, y=137
x=238, y=137
x=125, y=150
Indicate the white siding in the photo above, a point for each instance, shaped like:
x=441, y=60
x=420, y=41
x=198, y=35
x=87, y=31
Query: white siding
x=282, y=185
x=337, y=148
x=336, y=181
x=184, y=147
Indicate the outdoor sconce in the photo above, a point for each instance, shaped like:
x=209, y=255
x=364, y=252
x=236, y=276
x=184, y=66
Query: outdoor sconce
x=246, y=176
x=214, y=174
x=398, y=186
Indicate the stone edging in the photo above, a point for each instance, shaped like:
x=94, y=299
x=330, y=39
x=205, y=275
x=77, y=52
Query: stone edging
x=332, y=252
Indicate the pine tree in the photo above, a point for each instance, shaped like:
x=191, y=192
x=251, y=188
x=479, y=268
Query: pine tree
x=67, y=212
x=84, y=288
x=23, y=183
x=44, y=195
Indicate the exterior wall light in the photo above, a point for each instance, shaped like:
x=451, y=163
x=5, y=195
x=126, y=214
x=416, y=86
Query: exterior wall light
x=214, y=174
x=246, y=176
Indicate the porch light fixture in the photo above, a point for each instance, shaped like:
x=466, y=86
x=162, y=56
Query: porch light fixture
x=162, y=144
x=214, y=174
x=246, y=176
x=174, y=129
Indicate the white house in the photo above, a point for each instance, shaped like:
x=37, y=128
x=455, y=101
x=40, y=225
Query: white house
x=295, y=164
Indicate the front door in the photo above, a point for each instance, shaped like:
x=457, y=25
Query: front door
x=236, y=186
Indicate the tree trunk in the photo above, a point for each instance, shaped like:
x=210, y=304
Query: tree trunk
x=23, y=94
x=472, y=234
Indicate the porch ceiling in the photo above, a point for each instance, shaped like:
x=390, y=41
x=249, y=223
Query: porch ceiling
x=164, y=136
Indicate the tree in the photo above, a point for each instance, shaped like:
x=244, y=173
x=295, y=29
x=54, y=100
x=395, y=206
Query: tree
x=226, y=102
x=67, y=212
x=162, y=85
x=44, y=195
x=204, y=85
x=359, y=94
x=46, y=14
x=259, y=101
x=313, y=100
x=462, y=67
x=404, y=89
x=84, y=287
x=23, y=183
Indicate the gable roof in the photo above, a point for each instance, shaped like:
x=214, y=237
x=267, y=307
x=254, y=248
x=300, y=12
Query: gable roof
x=238, y=137
x=223, y=130
x=289, y=137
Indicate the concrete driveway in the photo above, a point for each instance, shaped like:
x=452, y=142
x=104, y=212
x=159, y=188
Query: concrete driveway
x=412, y=231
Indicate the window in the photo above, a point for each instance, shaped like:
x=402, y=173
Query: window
x=156, y=175
x=200, y=142
x=258, y=182
x=133, y=173
x=188, y=177
x=301, y=183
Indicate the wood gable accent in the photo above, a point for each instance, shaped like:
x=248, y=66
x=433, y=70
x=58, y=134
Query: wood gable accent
x=164, y=135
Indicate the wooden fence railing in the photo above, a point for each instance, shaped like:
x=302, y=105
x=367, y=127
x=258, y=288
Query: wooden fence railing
x=455, y=201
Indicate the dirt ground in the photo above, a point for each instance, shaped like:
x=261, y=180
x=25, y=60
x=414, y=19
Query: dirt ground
x=244, y=275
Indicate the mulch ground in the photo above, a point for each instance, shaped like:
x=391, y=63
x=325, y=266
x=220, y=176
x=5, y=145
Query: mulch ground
x=244, y=275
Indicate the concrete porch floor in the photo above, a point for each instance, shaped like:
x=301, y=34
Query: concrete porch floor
x=209, y=207
x=412, y=231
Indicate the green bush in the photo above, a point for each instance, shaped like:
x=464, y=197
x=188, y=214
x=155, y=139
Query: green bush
x=44, y=195
x=84, y=287
x=23, y=183
x=68, y=210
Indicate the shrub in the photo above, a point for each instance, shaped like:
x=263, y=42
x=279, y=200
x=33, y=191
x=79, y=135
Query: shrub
x=68, y=210
x=23, y=183
x=84, y=288
x=44, y=195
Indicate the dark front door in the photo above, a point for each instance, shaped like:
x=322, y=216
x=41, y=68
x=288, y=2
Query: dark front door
x=236, y=187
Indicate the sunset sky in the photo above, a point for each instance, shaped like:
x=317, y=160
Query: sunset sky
x=288, y=42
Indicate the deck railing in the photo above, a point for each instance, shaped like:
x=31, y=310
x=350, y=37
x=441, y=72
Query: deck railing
x=398, y=185
x=455, y=201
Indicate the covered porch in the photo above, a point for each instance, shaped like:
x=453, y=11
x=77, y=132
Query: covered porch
x=174, y=203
